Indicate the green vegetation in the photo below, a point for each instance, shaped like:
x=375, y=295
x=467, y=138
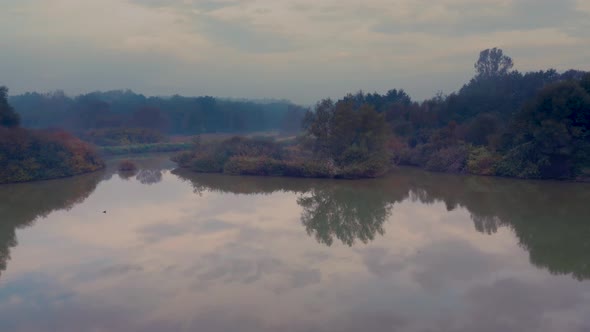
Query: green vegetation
x=532, y=125
x=345, y=142
x=251, y=156
x=27, y=155
x=503, y=122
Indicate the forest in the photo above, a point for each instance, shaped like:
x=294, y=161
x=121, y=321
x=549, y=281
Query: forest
x=502, y=122
x=95, y=113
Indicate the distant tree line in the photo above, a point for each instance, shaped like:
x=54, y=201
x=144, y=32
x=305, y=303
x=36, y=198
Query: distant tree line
x=168, y=115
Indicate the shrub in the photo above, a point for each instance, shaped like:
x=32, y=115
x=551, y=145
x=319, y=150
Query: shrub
x=309, y=169
x=242, y=156
x=127, y=166
x=206, y=164
x=183, y=159
x=482, y=162
x=451, y=159
x=371, y=168
x=27, y=155
x=522, y=161
x=254, y=166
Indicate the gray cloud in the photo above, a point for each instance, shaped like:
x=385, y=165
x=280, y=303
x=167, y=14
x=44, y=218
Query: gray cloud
x=243, y=35
x=298, y=50
x=476, y=19
x=443, y=264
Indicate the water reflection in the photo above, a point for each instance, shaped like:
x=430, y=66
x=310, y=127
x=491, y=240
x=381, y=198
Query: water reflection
x=22, y=204
x=220, y=253
x=550, y=219
x=344, y=212
x=149, y=168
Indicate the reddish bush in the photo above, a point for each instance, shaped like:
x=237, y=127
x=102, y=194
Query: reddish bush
x=27, y=155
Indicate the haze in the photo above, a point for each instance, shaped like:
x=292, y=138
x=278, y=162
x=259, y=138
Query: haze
x=301, y=50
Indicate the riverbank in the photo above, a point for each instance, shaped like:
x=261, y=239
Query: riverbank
x=33, y=155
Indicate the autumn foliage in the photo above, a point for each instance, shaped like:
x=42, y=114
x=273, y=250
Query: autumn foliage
x=27, y=155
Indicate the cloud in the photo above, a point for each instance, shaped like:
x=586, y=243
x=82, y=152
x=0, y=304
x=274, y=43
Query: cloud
x=299, y=49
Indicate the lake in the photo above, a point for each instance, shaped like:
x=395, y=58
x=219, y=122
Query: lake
x=178, y=251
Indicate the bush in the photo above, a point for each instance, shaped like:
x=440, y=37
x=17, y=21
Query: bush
x=372, y=168
x=206, y=164
x=241, y=156
x=309, y=169
x=523, y=161
x=452, y=159
x=417, y=156
x=254, y=166
x=183, y=159
x=27, y=155
x=127, y=166
x=482, y=162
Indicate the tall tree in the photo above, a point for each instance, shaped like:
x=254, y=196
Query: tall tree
x=493, y=62
x=8, y=117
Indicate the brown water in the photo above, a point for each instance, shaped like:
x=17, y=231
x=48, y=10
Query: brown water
x=176, y=251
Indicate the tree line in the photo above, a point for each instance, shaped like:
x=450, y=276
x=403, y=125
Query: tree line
x=168, y=115
x=502, y=122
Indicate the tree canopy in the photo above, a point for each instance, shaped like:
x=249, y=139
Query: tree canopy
x=492, y=62
x=8, y=117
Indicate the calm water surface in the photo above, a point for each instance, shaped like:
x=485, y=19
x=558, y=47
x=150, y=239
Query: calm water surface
x=177, y=251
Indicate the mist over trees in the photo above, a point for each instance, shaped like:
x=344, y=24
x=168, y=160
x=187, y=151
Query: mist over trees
x=170, y=115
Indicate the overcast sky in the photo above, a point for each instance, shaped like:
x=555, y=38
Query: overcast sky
x=301, y=50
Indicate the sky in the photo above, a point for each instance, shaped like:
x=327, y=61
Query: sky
x=301, y=50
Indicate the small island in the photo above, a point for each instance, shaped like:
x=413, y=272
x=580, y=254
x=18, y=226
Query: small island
x=340, y=140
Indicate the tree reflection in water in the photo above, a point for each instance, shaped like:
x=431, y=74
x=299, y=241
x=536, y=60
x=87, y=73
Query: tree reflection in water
x=344, y=213
x=22, y=204
x=550, y=219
